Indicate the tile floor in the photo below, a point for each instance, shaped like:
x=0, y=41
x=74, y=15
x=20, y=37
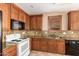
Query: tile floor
x=39, y=53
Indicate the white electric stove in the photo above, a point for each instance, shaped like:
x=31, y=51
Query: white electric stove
x=21, y=43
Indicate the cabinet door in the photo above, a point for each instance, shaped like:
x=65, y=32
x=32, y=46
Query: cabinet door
x=36, y=22
x=52, y=46
x=21, y=16
x=33, y=23
x=73, y=20
x=60, y=46
x=27, y=22
x=35, y=44
x=43, y=44
x=39, y=22
x=14, y=12
x=25, y=18
x=5, y=8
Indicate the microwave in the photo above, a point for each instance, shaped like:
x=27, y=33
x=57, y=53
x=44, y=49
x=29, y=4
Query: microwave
x=17, y=25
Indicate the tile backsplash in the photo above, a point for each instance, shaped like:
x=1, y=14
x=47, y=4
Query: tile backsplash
x=65, y=34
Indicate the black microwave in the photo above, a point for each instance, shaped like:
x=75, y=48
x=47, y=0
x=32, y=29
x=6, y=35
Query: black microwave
x=17, y=25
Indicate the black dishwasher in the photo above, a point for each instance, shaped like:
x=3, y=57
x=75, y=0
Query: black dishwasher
x=72, y=47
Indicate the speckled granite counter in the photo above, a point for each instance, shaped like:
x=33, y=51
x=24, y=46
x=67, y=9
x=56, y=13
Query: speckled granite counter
x=65, y=35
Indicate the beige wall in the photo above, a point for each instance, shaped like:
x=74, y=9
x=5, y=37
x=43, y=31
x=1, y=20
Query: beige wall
x=64, y=20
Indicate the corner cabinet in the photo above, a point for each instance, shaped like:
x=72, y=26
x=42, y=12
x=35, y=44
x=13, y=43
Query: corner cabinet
x=24, y=17
x=36, y=22
x=73, y=20
x=11, y=11
x=19, y=15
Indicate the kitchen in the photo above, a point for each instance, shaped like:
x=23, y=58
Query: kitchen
x=27, y=31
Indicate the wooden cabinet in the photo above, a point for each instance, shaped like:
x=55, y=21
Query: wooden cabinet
x=60, y=46
x=11, y=11
x=43, y=44
x=73, y=20
x=27, y=22
x=25, y=18
x=39, y=44
x=5, y=9
x=39, y=22
x=21, y=16
x=33, y=23
x=36, y=22
x=14, y=12
x=52, y=46
x=35, y=43
x=55, y=22
x=48, y=45
x=10, y=51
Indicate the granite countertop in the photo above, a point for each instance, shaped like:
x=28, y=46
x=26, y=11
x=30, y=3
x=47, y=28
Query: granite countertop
x=57, y=38
x=47, y=37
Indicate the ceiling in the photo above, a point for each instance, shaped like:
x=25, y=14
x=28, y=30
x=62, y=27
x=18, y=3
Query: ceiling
x=40, y=8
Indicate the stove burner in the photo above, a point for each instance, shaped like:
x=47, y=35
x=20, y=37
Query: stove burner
x=16, y=40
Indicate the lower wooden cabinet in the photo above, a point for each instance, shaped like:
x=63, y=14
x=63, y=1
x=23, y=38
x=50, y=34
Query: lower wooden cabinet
x=61, y=46
x=10, y=51
x=43, y=44
x=39, y=44
x=48, y=45
x=35, y=44
x=52, y=46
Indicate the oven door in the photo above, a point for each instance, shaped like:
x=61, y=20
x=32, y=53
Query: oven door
x=22, y=48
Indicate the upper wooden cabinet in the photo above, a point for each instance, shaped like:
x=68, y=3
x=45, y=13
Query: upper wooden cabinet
x=36, y=22
x=39, y=22
x=55, y=22
x=27, y=22
x=33, y=23
x=73, y=20
x=21, y=16
x=14, y=12
x=11, y=11
x=5, y=9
